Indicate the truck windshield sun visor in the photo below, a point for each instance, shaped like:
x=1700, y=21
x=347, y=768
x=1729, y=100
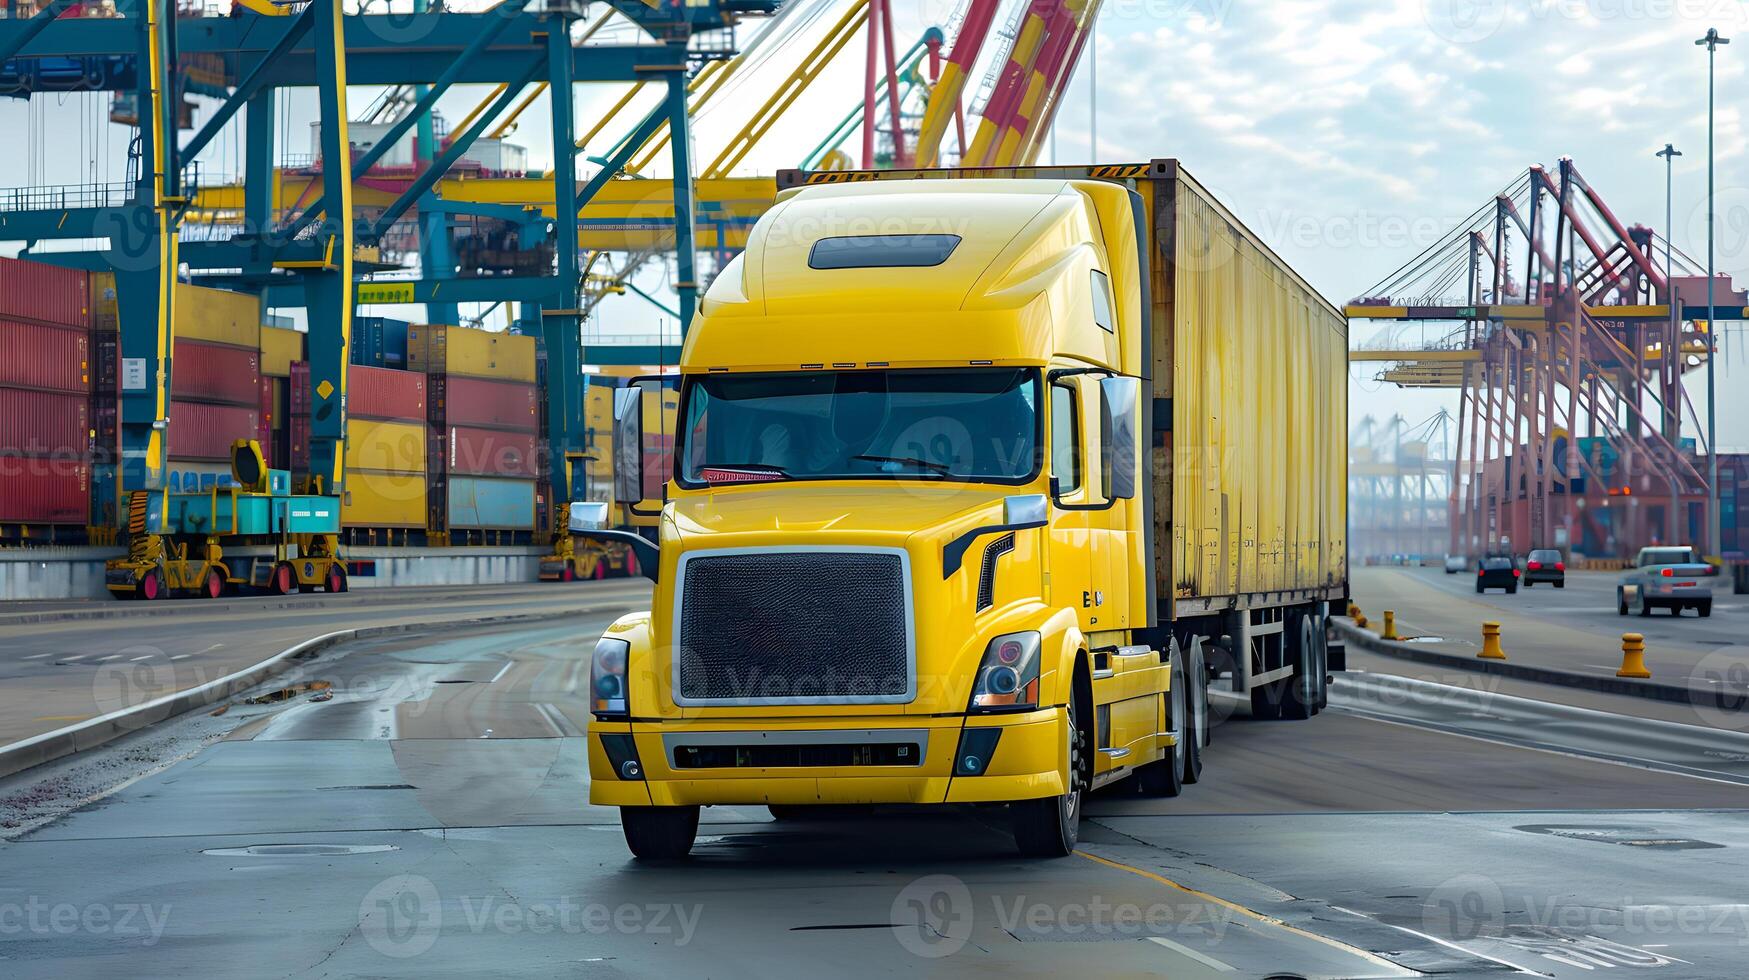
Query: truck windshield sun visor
x=882, y=251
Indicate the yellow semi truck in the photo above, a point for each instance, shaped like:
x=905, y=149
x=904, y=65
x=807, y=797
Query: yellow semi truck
x=982, y=479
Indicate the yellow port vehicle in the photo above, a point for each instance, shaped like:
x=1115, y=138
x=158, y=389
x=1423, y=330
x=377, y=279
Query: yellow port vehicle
x=982, y=479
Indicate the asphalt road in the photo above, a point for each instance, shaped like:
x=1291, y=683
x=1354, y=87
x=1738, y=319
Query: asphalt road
x=60, y=666
x=1575, y=628
x=429, y=821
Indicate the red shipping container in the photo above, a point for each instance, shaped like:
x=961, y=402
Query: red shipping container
x=300, y=443
x=385, y=393
x=37, y=423
x=491, y=452
x=50, y=358
x=44, y=491
x=215, y=373
x=493, y=404
x=264, y=432
x=44, y=293
x=202, y=431
x=300, y=388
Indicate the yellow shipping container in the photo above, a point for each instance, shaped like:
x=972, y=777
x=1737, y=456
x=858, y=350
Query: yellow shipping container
x=280, y=347
x=104, y=312
x=436, y=348
x=218, y=316
x=383, y=499
x=386, y=447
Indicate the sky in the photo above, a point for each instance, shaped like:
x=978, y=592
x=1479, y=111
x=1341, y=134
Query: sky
x=1349, y=134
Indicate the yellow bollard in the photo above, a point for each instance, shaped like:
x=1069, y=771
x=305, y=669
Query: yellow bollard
x=1633, y=656
x=1491, y=643
x=1390, y=630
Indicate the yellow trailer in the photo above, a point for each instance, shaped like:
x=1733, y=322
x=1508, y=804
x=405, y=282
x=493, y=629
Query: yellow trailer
x=981, y=479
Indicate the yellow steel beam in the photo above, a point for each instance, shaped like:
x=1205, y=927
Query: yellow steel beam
x=810, y=68
x=467, y=120
x=503, y=128
x=608, y=116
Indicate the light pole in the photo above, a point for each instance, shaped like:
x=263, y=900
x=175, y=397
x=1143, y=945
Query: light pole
x=1714, y=544
x=1672, y=339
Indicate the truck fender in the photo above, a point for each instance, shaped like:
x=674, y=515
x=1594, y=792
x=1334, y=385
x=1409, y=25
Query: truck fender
x=1061, y=644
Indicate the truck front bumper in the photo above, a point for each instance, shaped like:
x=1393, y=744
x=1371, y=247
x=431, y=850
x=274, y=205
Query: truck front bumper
x=761, y=761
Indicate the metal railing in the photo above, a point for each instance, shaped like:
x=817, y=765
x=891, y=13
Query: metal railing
x=61, y=197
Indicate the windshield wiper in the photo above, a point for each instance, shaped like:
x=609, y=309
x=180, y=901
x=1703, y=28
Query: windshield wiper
x=940, y=469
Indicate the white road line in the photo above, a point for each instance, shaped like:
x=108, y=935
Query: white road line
x=104, y=660
x=34, y=656
x=74, y=658
x=1205, y=960
x=135, y=660
x=182, y=656
x=1449, y=945
x=502, y=671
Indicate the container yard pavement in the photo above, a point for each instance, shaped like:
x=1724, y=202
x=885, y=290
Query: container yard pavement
x=1572, y=629
x=65, y=663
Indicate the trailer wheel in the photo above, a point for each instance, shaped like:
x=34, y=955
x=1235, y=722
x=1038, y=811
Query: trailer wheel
x=1051, y=826
x=1301, y=701
x=284, y=582
x=1321, y=643
x=215, y=584
x=600, y=571
x=659, y=833
x=1166, y=777
x=1196, y=669
x=152, y=585
x=336, y=580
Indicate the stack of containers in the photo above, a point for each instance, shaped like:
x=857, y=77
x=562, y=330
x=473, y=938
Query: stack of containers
x=484, y=410
x=385, y=449
x=378, y=342
x=45, y=393
x=215, y=383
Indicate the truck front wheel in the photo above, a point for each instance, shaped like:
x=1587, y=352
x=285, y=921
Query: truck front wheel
x=659, y=833
x=1166, y=777
x=1051, y=827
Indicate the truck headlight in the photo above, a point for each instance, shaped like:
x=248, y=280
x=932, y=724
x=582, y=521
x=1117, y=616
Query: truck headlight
x=1008, y=674
x=607, y=678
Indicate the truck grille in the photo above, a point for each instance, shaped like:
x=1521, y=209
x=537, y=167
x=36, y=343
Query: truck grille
x=803, y=626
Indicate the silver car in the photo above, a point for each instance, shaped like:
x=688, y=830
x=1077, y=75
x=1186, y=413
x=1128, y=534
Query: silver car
x=1674, y=578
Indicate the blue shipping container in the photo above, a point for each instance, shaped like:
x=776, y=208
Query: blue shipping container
x=366, y=348
x=395, y=343
x=491, y=503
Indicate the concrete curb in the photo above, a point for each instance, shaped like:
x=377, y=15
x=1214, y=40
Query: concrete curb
x=1369, y=641
x=88, y=734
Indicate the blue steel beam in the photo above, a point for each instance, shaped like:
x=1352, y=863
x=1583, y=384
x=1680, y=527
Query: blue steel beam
x=559, y=324
x=685, y=230
x=458, y=145
x=251, y=84
x=30, y=27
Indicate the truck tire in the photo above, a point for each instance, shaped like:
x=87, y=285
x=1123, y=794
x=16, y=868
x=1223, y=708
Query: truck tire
x=1301, y=695
x=1321, y=642
x=1051, y=826
x=336, y=580
x=153, y=585
x=659, y=833
x=284, y=581
x=1165, y=777
x=1197, y=671
x=215, y=584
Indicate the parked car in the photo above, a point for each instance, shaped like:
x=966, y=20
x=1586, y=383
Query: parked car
x=1545, y=565
x=1497, y=572
x=1455, y=564
x=1674, y=578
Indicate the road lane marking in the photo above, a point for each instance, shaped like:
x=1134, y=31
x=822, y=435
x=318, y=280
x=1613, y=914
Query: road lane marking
x=135, y=660
x=182, y=656
x=1335, y=944
x=34, y=656
x=104, y=660
x=1208, y=961
x=1449, y=945
x=73, y=658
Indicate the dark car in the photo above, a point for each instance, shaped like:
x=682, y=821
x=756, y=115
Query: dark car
x=1545, y=565
x=1497, y=572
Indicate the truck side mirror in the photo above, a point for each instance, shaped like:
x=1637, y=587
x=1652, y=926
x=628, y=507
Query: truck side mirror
x=628, y=444
x=590, y=515
x=1117, y=409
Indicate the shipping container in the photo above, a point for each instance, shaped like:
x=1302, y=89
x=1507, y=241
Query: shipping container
x=383, y=499
x=199, y=431
x=487, y=404
x=490, y=452
x=50, y=358
x=280, y=347
x=298, y=388
x=489, y=503
x=387, y=447
x=104, y=311
x=34, y=423
x=219, y=316
x=219, y=373
x=36, y=490
x=462, y=352
x=383, y=393
x=44, y=293
x=365, y=347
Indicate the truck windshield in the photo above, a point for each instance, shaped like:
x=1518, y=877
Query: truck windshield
x=973, y=425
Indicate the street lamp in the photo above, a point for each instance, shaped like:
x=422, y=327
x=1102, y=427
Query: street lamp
x=1714, y=540
x=1673, y=338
